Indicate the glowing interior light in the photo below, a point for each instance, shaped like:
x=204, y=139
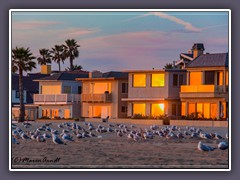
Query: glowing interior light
x=161, y=106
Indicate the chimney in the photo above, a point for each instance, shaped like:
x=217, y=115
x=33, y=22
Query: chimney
x=95, y=74
x=197, y=49
x=46, y=69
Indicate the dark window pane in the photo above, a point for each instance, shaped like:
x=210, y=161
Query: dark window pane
x=175, y=80
x=174, y=109
x=124, y=87
x=79, y=89
x=209, y=77
x=180, y=79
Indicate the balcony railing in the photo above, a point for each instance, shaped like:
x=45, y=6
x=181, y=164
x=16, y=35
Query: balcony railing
x=106, y=97
x=56, y=98
x=202, y=88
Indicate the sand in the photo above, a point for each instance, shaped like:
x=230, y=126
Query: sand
x=112, y=151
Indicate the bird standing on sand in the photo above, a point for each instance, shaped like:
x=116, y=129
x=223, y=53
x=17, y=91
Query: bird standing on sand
x=14, y=141
x=203, y=147
x=56, y=140
x=223, y=145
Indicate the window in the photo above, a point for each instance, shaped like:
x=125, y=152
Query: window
x=139, y=80
x=17, y=95
x=180, y=79
x=100, y=88
x=139, y=109
x=206, y=107
x=157, y=80
x=79, y=89
x=157, y=109
x=124, y=109
x=183, y=109
x=195, y=78
x=174, y=109
x=191, y=108
x=67, y=89
x=175, y=79
x=209, y=77
x=200, y=109
x=179, y=110
x=124, y=87
x=220, y=78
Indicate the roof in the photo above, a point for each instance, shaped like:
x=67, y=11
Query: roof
x=210, y=60
x=186, y=55
x=111, y=75
x=198, y=46
x=156, y=70
x=64, y=76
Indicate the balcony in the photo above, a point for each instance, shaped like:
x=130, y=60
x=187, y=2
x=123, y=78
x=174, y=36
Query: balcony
x=202, y=88
x=190, y=91
x=106, y=97
x=56, y=98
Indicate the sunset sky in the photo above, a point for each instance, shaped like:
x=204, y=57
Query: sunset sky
x=122, y=40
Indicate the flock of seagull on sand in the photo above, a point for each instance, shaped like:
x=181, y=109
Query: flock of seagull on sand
x=67, y=132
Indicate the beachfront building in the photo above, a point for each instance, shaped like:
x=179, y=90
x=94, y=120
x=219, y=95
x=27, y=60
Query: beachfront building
x=153, y=93
x=185, y=58
x=102, y=94
x=60, y=95
x=206, y=92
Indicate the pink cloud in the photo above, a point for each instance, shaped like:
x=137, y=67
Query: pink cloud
x=28, y=25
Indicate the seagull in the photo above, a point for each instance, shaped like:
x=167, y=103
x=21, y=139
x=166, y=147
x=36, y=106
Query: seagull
x=60, y=126
x=56, y=140
x=217, y=136
x=14, y=141
x=119, y=133
x=223, y=145
x=227, y=135
x=67, y=137
x=203, y=147
x=40, y=138
x=46, y=136
x=24, y=136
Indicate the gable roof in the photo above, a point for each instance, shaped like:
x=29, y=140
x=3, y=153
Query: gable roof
x=64, y=76
x=210, y=60
x=115, y=74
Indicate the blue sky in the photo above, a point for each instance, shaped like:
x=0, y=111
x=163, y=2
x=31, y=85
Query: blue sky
x=122, y=40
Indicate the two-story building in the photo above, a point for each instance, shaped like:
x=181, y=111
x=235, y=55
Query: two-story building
x=60, y=95
x=154, y=92
x=102, y=94
x=206, y=92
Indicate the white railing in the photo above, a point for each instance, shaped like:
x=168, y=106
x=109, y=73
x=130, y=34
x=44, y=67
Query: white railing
x=56, y=98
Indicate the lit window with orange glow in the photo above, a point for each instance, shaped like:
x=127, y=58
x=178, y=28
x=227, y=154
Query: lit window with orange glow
x=157, y=109
x=139, y=109
x=139, y=80
x=157, y=80
x=195, y=78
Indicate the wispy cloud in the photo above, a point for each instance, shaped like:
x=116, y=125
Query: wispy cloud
x=188, y=26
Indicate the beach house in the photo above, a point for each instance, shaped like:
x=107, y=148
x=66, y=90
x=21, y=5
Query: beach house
x=102, y=94
x=60, y=95
x=154, y=92
x=206, y=92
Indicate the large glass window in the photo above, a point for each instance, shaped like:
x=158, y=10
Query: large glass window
x=157, y=109
x=100, y=88
x=206, y=107
x=195, y=78
x=183, y=109
x=139, y=109
x=214, y=111
x=175, y=80
x=139, y=80
x=174, y=109
x=157, y=80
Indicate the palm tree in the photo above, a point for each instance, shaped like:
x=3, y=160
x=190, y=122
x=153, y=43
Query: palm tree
x=58, y=55
x=45, y=57
x=75, y=67
x=168, y=66
x=71, y=50
x=22, y=60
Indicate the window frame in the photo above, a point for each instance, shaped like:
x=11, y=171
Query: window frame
x=134, y=78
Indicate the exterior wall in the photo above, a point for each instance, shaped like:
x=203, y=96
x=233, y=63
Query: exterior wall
x=17, y=100
x=148, y=91
x=74, y=112
x=74, y=86
x=48, y=84
x=31, y=113
x=173, y=91
x=116, y=96
x=121, y=103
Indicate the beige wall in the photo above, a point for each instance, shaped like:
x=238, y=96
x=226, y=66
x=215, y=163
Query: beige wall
x=114, y=87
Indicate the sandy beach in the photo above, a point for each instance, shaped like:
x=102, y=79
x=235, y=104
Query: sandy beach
x=111, y=151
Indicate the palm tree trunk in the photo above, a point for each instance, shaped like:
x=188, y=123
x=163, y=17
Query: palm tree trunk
x=59, y=66
x=22, y=107
x=71, y=63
